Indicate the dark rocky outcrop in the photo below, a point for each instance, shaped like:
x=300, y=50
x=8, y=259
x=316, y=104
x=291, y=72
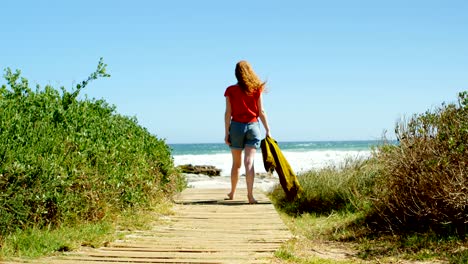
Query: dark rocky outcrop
x=200, y=169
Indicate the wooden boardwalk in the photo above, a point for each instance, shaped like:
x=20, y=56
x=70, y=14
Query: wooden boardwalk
x=204, y=229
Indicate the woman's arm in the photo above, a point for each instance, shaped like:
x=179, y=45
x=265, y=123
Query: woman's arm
x=227, y=121
x=263, y=117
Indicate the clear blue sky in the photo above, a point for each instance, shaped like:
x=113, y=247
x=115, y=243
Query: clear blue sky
x=336, y=70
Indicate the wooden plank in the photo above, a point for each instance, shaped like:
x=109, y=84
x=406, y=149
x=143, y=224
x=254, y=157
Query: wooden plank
x=204, y=229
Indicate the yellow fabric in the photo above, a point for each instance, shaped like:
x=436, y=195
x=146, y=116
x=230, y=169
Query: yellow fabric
x=273, y=159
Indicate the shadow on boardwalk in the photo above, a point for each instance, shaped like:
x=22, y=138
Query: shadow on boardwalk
x=204, y=229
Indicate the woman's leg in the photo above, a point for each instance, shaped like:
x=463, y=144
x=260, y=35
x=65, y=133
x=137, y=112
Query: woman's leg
x=250, y=172
x=235, y=169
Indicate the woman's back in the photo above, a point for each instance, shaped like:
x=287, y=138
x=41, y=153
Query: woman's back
x=244, y=107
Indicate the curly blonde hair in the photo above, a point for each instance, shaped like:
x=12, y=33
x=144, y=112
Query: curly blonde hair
x=247, y=80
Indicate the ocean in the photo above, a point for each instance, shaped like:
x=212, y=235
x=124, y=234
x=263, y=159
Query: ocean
x=302, y=156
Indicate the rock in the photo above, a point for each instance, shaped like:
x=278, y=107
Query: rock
x=200, y=169
x=263, y=175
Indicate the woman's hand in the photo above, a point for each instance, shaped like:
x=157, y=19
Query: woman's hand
x=226, y=140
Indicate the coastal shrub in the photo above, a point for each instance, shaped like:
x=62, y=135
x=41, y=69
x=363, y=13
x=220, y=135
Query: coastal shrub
x=424, y=179
x=65, y=160
x=338, y=187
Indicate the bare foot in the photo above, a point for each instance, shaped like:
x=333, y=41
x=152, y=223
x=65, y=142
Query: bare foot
x=252, y=200
x=230, y=196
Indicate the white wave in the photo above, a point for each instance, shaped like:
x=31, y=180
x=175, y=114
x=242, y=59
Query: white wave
x=299, y=161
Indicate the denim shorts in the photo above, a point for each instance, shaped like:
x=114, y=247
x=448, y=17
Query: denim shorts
x=242, y=135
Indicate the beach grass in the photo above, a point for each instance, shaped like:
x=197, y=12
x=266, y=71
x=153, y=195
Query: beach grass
x=422, y=182
x=408, y=201
x=35, y=242
x=345, y=186
x=330, y=239
x=342, y=235
x=320, y=235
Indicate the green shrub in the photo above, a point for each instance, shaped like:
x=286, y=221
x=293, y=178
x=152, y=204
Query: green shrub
x=64, y=160
x=424, y=179
x=331, y=189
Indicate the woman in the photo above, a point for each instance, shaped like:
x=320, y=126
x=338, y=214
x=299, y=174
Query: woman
x=242, y=130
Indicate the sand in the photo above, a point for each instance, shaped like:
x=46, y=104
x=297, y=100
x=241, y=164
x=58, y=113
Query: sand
x=200, y=181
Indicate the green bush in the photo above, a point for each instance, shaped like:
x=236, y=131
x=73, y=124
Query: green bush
x=423, y=181
x=65, y=160
x=331, y=189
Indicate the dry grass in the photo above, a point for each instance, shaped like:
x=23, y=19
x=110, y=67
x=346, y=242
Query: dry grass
x=407, y=204
x=423, y=183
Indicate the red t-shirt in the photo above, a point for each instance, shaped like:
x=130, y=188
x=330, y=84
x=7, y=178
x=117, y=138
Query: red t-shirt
x=244, y=108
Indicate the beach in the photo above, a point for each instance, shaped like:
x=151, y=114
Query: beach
x=302, y=156
x=200, y=181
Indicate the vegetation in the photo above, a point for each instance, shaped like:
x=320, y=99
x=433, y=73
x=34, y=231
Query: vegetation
x=335, y=238
x=65, y=161
x=72, y=168
x=34, y=242
x=345, y=187
x=409, y=200
x=423, y=181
